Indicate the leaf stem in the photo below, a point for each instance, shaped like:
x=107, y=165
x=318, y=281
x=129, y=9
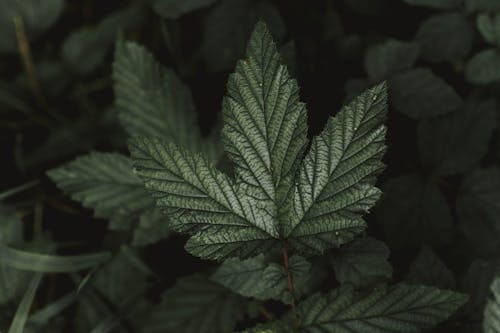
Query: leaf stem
x=290, y=286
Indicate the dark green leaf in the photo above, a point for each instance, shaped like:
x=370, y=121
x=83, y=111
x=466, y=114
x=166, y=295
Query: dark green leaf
x=195, y=305
x=489, y=27
x=454, y=143
x=478, y=208
x=437, y=4
x=363, y=263
x=389, y=57
x=445, y=37
x=173, y=9
x=36, y=15
x=414, y=211
x=484, y=67
x=24, y=307
x=482, y=5
x=428, y=269
x=419, y=93
x=492, y=311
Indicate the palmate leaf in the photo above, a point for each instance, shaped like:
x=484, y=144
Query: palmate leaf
x=428, y=269
x=402, y=308
x=265, y=135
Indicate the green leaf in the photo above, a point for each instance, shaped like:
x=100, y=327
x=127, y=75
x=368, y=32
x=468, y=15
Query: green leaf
x=482, y=5
x=489, y=27
x=454, y=143
x=436, y=4
x=153, y=226
x=227, y=27
x=265, y=134
x=419, y=93
x=42, y=316
x=173, y=9
x=478, y=210
x=428, y=269
x=491, y=322
x=195, y=305
x=17, y=325
x=445, y=37
x=413, y=211
x=105, y=183
x=7, y=193
x=335, y=183
x=389, y=57
x=152, y=101
x=86, y=48
x=363, y=263
x=35, y=262
x=37, y=16
x=402, y=308
x=484, y=67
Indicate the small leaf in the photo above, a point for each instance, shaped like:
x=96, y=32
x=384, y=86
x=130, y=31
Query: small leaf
x=482, y=5
x=273, y=327
x=484, y=67
x=428, y=269
x=173, y=9
x=195, y=305
x=227, y=27
x=402, y=308
x=419, y=93
x=489, y=27
x=436, y=4
x=445, y=37
x=491, y=322
x=478, y=210
x=456, y=142
x=389, y=57
x=153, y=226
x=363, y=263
x=37, y=16
x=413, y=211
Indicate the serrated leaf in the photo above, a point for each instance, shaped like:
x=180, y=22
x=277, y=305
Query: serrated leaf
x=482, y=5
x=402, y=308
x=86, y=48
x=173, y=9
x=37, y=17
x=491, y=322
x=454, y=143
x=195, y=305
x=414, y=211
x=437, y=4
x=335, y=183
x=389, y=57
x=428, y=269
x=105, y=183
x=227, y=27
x=445, y=37
x=478, y=210
x=153, y=226
x=363, y=263
x=152, y=101
x=419, y=93
x=484, y=67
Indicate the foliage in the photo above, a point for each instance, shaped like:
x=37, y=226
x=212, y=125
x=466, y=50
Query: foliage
x=311, y=209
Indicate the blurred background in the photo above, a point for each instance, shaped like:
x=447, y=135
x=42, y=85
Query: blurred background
x=441, y=59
